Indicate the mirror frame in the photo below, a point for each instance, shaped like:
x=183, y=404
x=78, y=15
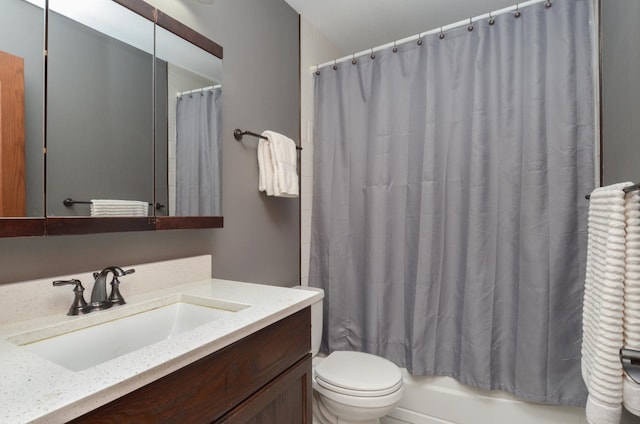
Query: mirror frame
x=24, y=227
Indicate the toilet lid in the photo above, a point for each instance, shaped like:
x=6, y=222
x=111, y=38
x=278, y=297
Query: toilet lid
x=358, y=374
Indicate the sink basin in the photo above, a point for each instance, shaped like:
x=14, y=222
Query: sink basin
x=92, y=345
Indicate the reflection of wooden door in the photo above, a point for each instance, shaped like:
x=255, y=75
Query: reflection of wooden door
x=12, y=164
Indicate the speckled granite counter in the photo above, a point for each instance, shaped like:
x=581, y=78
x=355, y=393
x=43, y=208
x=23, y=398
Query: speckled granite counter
x=33, y=389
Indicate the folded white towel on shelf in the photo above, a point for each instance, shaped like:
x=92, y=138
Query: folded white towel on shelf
x=114, y=207
x=603, y=304
x=277, y=165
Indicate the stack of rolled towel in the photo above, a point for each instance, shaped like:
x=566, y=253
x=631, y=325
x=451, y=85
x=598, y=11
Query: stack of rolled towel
x=277, y=165
x=113, y=207
x=611, y=307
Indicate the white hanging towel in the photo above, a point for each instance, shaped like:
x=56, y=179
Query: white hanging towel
x=277, y=165
x=114, y=207
x=611, y=218
x=265, y=167
x=631, y=329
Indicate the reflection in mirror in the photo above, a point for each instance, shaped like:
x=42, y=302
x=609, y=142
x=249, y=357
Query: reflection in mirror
x=188, y=131
x=99, y=110
x=21, y=108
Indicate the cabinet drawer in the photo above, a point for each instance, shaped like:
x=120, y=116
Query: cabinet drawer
x=286, y=399
x=203, y=391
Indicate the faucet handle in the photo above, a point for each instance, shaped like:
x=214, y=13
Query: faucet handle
x=79, y=305
x=74, y=281
x=115, y=297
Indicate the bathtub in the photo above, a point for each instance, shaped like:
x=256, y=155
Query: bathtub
x=442, y=400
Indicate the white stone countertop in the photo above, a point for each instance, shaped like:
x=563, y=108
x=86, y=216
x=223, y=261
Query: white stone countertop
x=33, y=389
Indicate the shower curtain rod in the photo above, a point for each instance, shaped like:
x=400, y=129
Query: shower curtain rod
x=466, y=22
x=198, y=90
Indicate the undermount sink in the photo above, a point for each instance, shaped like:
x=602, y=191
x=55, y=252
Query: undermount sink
x=82, y=348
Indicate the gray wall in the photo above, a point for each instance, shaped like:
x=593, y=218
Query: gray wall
x=22, y=34
x=260, y=239
x=621, y=90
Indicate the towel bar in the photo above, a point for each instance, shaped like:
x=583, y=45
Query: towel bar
x=238, y=133
x=70, y=202
x=626, y=190
x=631, y=363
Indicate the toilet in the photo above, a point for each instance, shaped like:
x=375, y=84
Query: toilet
x=350, y=387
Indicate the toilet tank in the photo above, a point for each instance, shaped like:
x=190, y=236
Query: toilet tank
x=316, y=319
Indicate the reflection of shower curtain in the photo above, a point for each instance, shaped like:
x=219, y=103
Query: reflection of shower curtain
x=198, y=130
x=449, y=220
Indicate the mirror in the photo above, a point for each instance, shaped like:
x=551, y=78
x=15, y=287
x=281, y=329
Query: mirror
x=21, y=108
x=102, y=127
x=99, y=110
x=188, y=139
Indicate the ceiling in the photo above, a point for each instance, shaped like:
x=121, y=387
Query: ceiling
x=356, y=25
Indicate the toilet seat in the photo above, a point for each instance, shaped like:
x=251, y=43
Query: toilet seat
x=358, y=374
x=358, y=393
x=363, y=402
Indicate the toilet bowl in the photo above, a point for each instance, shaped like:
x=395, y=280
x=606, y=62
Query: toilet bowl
x=350, y=387
x=355, y=387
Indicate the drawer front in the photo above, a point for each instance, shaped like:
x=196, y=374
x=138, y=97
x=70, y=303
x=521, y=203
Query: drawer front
x=286, y=399
x=203, y=391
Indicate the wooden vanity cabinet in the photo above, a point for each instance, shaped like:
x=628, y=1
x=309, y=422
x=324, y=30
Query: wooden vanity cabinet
x=263, y=378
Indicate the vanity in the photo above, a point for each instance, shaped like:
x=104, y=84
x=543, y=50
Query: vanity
x=241, y=352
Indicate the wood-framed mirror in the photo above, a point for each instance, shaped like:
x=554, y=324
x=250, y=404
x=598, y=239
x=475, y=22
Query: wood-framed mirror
x=101, y=122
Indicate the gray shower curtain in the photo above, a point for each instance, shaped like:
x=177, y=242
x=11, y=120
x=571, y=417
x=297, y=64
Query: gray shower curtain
x=449, y=218
x=198, y=134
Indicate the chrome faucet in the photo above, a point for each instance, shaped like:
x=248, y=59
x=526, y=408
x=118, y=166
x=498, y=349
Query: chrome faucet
x=99, y=299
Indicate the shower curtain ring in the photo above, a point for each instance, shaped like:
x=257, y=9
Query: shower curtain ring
x=548, y=4
x=373, y=55
x=517, y=13
x=491, y=19
x=335, y=66
x=317, y=70
x=419, y=42
x=470, y=27
x=395, y=48
x=441, y=35
x=354, y=61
